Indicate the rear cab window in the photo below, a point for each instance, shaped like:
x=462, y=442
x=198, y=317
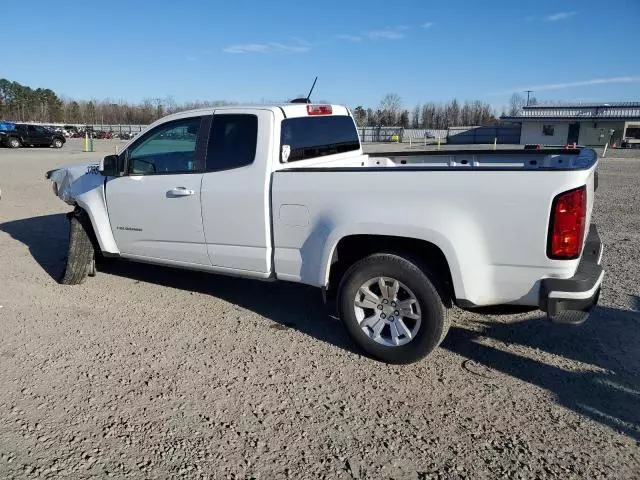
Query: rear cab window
x=318, y=136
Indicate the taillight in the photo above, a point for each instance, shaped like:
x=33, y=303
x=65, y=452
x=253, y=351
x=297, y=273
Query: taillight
x=319, y=109
x=566, y=229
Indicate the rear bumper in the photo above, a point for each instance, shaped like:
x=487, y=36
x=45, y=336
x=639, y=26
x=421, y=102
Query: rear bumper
x=561, y=297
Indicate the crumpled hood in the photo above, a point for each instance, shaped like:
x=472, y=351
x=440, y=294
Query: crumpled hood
x=73, y=180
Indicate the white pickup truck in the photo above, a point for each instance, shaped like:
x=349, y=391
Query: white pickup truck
x=285, y=193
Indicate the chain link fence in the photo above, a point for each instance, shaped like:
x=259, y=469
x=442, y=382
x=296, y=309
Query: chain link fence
x=505, y=134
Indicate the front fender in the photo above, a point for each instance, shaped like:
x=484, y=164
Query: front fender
x=95, y=206
x=82, y=185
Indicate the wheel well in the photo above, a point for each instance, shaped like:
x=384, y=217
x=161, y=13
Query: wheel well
x=356, y=247
x=83, y=216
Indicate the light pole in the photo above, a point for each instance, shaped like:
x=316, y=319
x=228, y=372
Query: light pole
x=528, y=92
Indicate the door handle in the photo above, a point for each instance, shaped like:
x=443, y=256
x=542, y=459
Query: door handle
x=180, y=192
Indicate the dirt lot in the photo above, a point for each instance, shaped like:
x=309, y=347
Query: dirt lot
x=152, y=373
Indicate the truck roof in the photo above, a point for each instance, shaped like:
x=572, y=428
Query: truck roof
x=289, y=110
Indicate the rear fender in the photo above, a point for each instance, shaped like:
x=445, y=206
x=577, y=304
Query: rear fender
x=334, y=237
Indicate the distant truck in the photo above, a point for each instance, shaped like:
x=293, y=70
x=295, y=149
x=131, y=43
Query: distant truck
x=630, y=142
x=285, y=192
x=26, y=135
x=631, y=137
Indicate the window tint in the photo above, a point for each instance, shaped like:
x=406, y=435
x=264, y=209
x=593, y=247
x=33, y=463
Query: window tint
x=548, y=130
x=168, y=148
x=232, y=142
x=633, y=132
x=311, y=137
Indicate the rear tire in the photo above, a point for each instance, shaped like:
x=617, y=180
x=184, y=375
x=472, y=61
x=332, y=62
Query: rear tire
x=80, y=254
x=402, y=318
x=57, y=143
x=14, y=142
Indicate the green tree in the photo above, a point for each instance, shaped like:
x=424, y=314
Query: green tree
x=360, y=116
x=74, y=113
x=372, y=119
x=404, y=119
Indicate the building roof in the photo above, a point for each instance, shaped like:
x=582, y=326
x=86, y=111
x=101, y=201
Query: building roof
x=601, y=111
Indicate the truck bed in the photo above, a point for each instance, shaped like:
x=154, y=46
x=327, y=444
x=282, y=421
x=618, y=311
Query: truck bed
x=512, y=159
x=489, y=220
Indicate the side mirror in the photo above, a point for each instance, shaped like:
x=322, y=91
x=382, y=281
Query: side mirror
x=111, y=166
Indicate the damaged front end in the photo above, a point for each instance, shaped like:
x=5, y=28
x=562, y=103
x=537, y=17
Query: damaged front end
x=71, y=181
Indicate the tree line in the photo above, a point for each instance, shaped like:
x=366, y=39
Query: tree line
x=390, y=112
x=21, y=103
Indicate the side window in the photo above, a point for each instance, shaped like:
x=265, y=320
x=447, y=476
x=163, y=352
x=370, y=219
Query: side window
x=168, y=148
x=232, y=142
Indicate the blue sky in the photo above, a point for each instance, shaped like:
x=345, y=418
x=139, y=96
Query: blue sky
x=270, y=50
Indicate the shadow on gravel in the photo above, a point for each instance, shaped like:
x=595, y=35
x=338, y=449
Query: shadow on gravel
x=608, y=340
x=290, y=305
x=46, y=237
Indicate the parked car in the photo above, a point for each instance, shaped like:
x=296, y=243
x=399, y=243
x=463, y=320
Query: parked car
x=99, y=134
x=26, y=135
x=83, y=132
x=69, y=130
x=396, y=239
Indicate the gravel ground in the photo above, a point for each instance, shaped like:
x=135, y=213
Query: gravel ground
x=150, y=372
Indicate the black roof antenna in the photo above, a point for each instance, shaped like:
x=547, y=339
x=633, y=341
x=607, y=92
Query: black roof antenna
x=308, y=99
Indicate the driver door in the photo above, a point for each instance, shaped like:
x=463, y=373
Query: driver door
x=154, y=209
x=31, y=135
x=42, y=136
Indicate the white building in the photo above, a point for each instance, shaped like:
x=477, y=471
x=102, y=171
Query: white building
x=593, y=124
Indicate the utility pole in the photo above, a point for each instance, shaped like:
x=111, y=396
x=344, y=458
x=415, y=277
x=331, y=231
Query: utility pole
x=528, y=92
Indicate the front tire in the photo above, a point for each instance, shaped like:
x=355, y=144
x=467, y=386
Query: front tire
x=57, y=143
x=14, y=142
x=80, y=254
x=391, y=308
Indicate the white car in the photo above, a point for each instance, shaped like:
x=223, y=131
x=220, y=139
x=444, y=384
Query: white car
x=285, y=192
